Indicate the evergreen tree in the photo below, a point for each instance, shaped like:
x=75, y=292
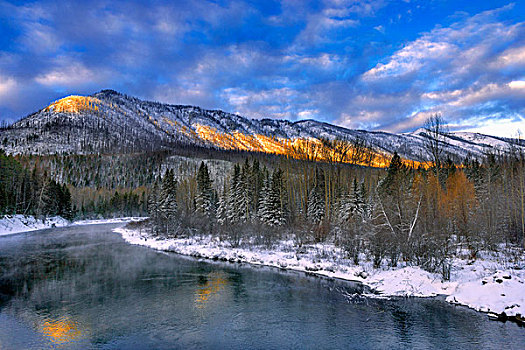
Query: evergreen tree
x=154, y=207
x=245, y=193
x=204, y=200
x=279, y=191
x=56, y=200
x=316, y=201
x=222, y=208
x=358, y=201
x=235, y=197
x=167, y=201
x=273, y=206
x=265, y=213
x=256, y=183
x=65, y=203
x=345, y=209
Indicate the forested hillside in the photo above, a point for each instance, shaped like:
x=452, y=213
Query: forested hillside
x=31, y=192
x=422, y=216
x=110, y=122
x=112, y=155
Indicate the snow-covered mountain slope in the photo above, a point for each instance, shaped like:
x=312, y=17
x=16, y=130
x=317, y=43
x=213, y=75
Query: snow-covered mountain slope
x=108, y=121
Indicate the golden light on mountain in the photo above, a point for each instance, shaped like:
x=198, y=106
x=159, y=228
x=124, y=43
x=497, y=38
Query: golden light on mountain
x=74, y=104
x=311, y=149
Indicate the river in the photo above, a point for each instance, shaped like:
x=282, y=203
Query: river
x=85, y=288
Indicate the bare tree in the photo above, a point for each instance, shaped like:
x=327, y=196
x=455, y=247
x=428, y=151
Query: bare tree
x=305, y=149
x=436, y=131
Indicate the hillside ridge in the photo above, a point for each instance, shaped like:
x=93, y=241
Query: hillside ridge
x=109, y=121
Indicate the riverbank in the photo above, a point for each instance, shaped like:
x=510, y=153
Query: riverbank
x=494, y=283
x=11, y=224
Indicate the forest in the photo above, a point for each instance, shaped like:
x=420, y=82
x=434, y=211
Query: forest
x=423, y=216
x=418, y=213
x=31, y=192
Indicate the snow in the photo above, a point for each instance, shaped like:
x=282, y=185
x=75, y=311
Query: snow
x=490, y=284
x=11, y=224
x=406, y=281
x=162, y=124
x=494, y=283
x=108, y=221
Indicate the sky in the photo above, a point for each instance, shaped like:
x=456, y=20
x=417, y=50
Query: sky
x=372, y=64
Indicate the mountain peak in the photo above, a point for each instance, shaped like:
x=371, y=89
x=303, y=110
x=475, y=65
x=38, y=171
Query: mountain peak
x=111, y=122
x=74, y=104
x=107, y=93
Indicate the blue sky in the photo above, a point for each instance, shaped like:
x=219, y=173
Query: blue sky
x=375, y=65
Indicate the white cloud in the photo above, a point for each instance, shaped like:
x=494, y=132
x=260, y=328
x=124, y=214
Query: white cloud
x=380, y=29
x=470, y=68
x=40, y=38
x=68, y=73
x=412, y=122
x=321, y=27
x=517, y=84
x=362, y=119
x=510, y=57
x=411, y=58
x=308, y=114
x=282, y=102
x=324, y=61
x=476, y=95
x=455, y=51
x=360, y=8
x=453, y=104
x=194, y=94
x=496, y=125
x=7, y=85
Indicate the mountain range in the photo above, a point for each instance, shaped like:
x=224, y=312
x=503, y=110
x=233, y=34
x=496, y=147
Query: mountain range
x=111, y=122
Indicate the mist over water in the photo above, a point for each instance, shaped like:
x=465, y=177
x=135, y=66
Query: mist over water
x=85, y=288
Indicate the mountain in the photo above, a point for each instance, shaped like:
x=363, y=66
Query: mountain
x=111, y=122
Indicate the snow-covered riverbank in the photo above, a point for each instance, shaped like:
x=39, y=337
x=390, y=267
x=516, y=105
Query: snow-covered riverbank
x=491, y=284
x=10, y=224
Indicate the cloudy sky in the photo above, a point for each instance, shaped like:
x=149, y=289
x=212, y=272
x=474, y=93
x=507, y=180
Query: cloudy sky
x=373, y=64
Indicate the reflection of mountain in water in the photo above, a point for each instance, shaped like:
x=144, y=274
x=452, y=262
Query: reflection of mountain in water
x=213, y=283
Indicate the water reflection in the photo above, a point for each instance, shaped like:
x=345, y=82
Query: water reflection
x=212, y=284
x=61, y=330
x=85, y=288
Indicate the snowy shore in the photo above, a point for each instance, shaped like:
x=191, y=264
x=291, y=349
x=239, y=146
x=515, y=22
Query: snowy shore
x=11, y=224
x=491, y=284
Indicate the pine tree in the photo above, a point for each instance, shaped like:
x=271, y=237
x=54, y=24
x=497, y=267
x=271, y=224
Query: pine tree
x=154, y=206
x=204, y=200
x=222, y=208
x=345, y=209
x=256, y=182
x=273, y=206
x=49, y=199
x=358, y=202
x=235, y=197
x=279, y=191
x=245, y=193
x=167, y=201
x=65, y=203
x=264, y=213
x=316, y=201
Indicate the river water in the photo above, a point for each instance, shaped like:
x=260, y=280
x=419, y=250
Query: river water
x=85, y=288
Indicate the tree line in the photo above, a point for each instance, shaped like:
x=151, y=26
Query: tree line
x=423, y=216
x=416, y=214
x=31, y=192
